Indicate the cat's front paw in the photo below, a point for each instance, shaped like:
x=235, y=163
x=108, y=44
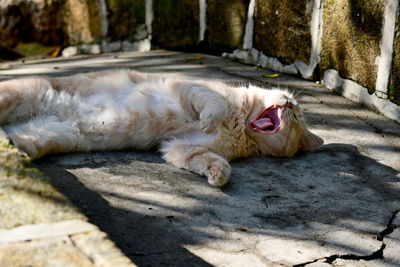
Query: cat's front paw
x=208, y=126
x=218, y=173
x=209, y=121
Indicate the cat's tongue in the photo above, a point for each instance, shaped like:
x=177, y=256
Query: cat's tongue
x=263, y=123
x=268, y=120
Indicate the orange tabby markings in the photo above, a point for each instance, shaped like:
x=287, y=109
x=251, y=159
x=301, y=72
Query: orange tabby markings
x=198, y=125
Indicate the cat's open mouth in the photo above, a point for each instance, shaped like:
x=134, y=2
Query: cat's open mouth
x=268, y=120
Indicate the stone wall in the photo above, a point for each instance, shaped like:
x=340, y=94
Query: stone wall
x=122, y=11
x=52, y=22
x=30, y=21
x=176, y=23
x=225, y=24
x=351, y=39
x=351, y=45
x=394, y=86
x=282, y=29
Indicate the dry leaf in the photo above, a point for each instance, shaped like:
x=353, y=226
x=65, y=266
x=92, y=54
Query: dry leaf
x=55, y=52
x=275, y=75
x=195, y=58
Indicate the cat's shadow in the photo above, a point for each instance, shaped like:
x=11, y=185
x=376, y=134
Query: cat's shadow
x=146, y=240
x=153, y=210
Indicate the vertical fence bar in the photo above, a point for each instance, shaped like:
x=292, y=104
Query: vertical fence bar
x=149, y=17
x=203, y=19
x=248, y=34
x=104, y=20
x=384, y=60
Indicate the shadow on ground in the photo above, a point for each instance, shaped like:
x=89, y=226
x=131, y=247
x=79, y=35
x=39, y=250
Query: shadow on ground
x=153, y=211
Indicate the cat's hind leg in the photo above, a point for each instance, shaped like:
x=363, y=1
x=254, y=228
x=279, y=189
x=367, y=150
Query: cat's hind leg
x=198, y=159
x=44, y=135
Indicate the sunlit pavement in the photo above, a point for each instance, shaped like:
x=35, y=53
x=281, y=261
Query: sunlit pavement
x=334, y=206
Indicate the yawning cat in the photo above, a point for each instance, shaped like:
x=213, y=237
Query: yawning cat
x=199, y=125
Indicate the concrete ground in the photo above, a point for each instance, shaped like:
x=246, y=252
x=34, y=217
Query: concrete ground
x=336, y=206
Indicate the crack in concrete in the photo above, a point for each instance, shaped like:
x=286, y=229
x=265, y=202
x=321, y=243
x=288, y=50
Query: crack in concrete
x=376, y=255
x=265, y=260
x=390, y=227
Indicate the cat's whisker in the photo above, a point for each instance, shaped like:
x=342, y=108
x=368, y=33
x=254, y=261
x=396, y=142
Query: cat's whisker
x=299, y=92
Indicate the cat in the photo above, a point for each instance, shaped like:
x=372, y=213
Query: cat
x=198, y=125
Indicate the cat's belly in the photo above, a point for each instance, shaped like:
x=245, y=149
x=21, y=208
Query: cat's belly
x=107, y=129
x=130, y=117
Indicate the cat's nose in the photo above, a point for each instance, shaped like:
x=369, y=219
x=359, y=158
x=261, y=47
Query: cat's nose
x=288, y=104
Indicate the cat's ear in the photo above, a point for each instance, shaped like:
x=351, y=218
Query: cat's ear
x=310, y=141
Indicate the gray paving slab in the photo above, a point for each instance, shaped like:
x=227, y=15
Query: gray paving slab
x=335, y=206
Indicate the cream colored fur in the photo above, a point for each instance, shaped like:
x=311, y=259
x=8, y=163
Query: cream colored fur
x=198, y=125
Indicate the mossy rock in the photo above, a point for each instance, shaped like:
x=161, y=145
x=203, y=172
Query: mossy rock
x=351, y=39
x=282, y=29
x=226, y=21
x=176, y=23
x=124, y=18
